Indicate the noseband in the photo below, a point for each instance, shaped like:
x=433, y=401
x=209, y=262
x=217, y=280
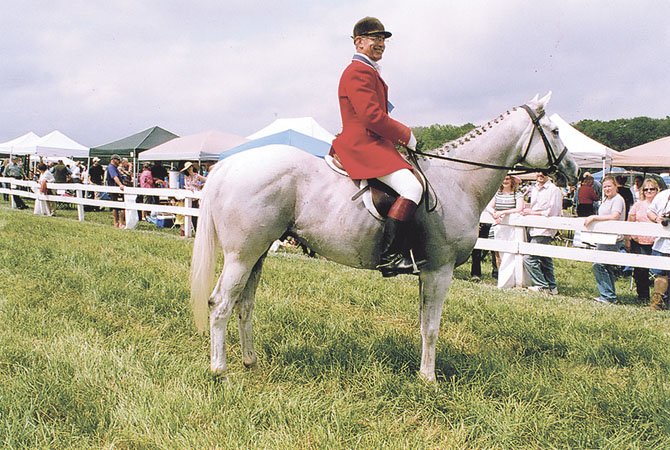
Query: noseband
x=552, y=160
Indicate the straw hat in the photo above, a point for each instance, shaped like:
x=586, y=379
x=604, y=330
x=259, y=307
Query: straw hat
x=186, y=166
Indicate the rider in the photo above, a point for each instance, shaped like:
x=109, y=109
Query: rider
x=366, y=145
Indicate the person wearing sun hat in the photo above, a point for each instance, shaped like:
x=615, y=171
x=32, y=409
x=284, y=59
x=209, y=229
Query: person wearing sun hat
x=366, y=146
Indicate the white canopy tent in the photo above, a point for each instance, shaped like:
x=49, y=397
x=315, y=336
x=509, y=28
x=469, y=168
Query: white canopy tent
x=12, y=147
x=586, y=152
x=305, y=125
x=204, y=146
x=54, y=144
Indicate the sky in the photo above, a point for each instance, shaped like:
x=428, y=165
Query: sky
x=99, y=71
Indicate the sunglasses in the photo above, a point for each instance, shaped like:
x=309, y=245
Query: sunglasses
x=649, y=189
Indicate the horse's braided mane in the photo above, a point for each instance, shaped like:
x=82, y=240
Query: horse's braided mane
x=448, y=146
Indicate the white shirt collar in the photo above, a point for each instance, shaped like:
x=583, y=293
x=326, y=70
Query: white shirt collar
x=377, y=67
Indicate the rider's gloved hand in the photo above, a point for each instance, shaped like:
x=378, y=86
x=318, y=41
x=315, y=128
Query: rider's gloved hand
x=411, y=144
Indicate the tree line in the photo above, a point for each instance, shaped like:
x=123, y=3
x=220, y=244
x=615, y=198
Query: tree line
x=618, y=134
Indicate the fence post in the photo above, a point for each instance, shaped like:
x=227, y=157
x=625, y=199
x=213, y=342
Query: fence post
x=519, y=236
x=80, y=207
x=188, y=203
x=11, y=197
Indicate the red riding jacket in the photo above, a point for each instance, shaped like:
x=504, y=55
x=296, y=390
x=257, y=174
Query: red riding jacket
x=366, y=146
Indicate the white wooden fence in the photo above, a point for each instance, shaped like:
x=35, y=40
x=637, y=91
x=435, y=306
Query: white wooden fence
x=81, y=192
x=597, y=232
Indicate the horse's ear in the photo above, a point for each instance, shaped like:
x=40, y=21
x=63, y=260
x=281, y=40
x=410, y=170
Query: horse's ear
x=542, y=103
x=534, y=99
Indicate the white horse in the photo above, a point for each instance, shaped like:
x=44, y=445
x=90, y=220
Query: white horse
x=254, y=197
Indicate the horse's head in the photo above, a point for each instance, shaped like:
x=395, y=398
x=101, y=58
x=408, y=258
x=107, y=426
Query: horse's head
x=545, y=149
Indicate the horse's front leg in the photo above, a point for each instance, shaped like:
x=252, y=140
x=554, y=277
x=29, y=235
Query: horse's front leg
x=433, y=286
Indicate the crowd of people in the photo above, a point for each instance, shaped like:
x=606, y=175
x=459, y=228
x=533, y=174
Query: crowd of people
x=607, y=200
x=118, y=173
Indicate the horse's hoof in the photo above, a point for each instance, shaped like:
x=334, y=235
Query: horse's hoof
x=218, y=372
x=430, y=378
x=250, y=362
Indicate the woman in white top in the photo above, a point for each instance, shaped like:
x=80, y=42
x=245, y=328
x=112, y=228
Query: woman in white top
x=508, y=200
x=42, y=207
x=612, y=207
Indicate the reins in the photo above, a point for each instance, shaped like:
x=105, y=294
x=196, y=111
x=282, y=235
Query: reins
x=552, y=159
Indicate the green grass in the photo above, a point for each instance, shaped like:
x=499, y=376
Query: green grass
x=97, y=349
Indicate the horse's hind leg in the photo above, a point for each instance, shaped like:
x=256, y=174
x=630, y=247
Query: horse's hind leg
x=229, y=289
x=245, y=308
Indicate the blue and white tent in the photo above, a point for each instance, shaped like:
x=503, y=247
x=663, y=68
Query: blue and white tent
x=303, y=132
x=293, y=138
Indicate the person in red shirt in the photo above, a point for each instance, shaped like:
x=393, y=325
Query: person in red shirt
x=586, y=197
x=366, y=145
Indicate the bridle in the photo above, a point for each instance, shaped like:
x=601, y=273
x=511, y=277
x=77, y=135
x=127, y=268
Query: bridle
x=552, y=160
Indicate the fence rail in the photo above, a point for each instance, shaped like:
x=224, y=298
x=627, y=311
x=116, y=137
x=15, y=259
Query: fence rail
x=80, y=199
x=598, y=232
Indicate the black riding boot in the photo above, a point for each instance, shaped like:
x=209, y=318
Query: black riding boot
x=394, y=259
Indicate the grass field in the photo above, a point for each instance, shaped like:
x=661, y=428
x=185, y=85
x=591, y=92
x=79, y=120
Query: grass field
x=97, y=350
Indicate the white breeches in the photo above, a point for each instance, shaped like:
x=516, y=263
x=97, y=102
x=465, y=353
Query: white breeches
x=404, y=183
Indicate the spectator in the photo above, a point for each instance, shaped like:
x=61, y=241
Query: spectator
x=659, y=212
x=598, y=188
x=478, y=256
x=96, y=172
x=637, y=188
x=3, y=165
x=113, y=178
x=61, y=172
x=159, y=172
x=612, y=207
x=84, y=173
x=193, y=181
x=15, y=170
x=75, y=173
x=43, y=207
x=641, y=245
x=546, y=200
x=147, y=182
x=625, y=193
x=508, y=200
x=586, y=197
x=126, y=172
x=96, y=175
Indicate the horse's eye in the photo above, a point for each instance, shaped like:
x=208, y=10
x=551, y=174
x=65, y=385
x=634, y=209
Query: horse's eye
x=555, y=132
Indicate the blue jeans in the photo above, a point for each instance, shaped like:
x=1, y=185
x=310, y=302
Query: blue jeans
x=606, y=274
x=540, y=268
x=659, y=272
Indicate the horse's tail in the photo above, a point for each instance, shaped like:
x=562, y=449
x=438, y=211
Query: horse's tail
x=203, y=263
